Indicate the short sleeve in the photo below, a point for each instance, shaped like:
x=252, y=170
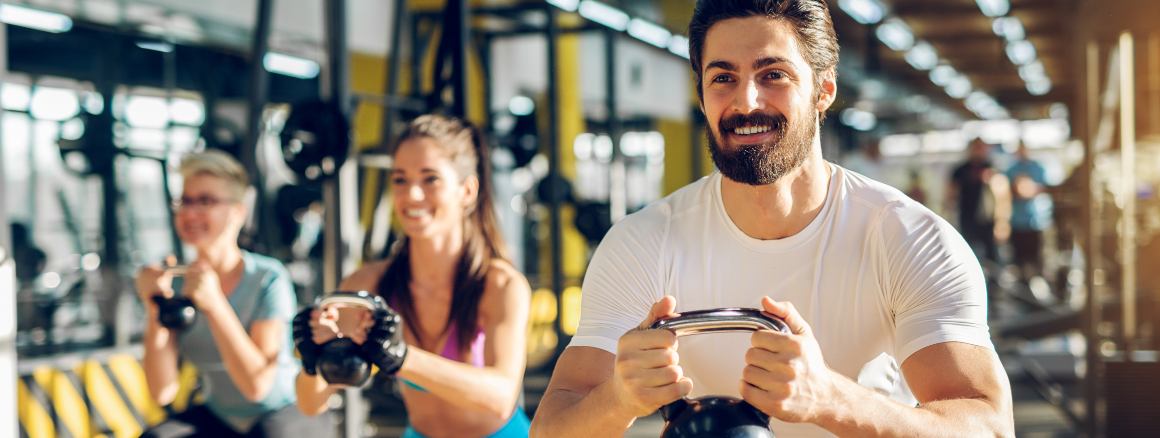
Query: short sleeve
x=277, y=299
x=934, y=283
x=623, y=279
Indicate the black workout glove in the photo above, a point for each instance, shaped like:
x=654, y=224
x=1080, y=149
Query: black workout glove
x=384, y=346
x=304, y=340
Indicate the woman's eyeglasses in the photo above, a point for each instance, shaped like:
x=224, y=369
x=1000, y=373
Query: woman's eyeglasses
x=199, y=203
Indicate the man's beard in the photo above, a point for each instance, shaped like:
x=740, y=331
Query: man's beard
x=765, y=163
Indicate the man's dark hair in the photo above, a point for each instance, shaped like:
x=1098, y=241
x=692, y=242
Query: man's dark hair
x=810, y=20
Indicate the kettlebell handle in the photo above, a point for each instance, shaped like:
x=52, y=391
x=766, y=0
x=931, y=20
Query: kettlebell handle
x=729, y=319
x=360, y=298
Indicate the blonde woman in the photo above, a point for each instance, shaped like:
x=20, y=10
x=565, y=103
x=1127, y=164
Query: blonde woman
x=240, y=341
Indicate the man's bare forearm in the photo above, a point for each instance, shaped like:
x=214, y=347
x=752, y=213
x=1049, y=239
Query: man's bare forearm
x=863, y=412
x=564, y=413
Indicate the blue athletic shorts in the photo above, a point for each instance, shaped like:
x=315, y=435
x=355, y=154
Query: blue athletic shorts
x=517, y=427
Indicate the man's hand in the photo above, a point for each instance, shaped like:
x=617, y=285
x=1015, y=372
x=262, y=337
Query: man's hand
x=785, y=375
x=647, y=375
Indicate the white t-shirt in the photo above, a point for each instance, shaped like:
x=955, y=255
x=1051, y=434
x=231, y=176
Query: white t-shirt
x=876, y=275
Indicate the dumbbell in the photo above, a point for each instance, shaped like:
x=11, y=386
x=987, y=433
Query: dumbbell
x=717, y=416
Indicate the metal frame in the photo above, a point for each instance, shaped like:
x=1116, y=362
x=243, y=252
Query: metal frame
x=259, y=92
x=7, y=290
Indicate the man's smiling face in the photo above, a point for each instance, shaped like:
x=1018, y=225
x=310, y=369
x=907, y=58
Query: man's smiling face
x=760, y=98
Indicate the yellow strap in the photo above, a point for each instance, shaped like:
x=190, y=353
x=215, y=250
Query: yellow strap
x=105, y=399
x=66, y=400
x=129, y=374
x=35, y=418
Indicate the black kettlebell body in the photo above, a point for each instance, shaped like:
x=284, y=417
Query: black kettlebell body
x=717, y=416
x=724, y=417
x=340, y=363
x=177, y=313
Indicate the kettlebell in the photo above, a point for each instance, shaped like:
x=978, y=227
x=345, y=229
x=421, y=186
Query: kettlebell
x=339, y=363
x=177, y=312
x=717, y=416
x=339, y=360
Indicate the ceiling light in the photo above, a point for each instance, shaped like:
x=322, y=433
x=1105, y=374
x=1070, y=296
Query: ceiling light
x=942, y=75
x=922, y=56
x=1021, y=52
x=294, y=66
x=155, y=46
x=994, y=8
x=863, y=11
x=649, y=32
x=1009, y=27
x=895, y=34
x=959, y=87
x=1033, y=71
x=35, y=18
x=981, y=104
x=1039, y=87
x=601, y=13
x=567, y=5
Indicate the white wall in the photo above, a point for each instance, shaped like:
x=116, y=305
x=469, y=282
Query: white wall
x=650, y=82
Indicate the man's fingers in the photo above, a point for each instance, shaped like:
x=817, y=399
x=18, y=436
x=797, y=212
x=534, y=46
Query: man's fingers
x=657, y=377
x=665, y=307
x=766, y=400
x=776, y=379
x=647, y=340
x=663, y=395
x=788, y=313
x=649, y=359
x=786, y=345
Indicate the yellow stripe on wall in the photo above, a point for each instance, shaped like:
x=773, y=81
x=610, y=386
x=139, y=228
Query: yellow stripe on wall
x=35, y=418
x=129, y=374
x=105, y=399
x=66, y=400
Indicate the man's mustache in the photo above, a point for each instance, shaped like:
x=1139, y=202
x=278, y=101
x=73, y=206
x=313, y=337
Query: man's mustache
x=775, y=122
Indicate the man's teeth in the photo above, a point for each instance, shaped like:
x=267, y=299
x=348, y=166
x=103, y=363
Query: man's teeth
x=749, y=130
x=415, y=213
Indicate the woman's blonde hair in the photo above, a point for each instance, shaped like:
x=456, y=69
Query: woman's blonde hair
x=218, y=164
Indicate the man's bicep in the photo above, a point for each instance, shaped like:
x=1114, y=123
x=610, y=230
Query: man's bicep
x=577, y=372
x=956, y=370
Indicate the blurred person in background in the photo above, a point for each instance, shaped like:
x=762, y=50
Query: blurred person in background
x=979, y=194
x=240, y=342
x=1030, y=212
